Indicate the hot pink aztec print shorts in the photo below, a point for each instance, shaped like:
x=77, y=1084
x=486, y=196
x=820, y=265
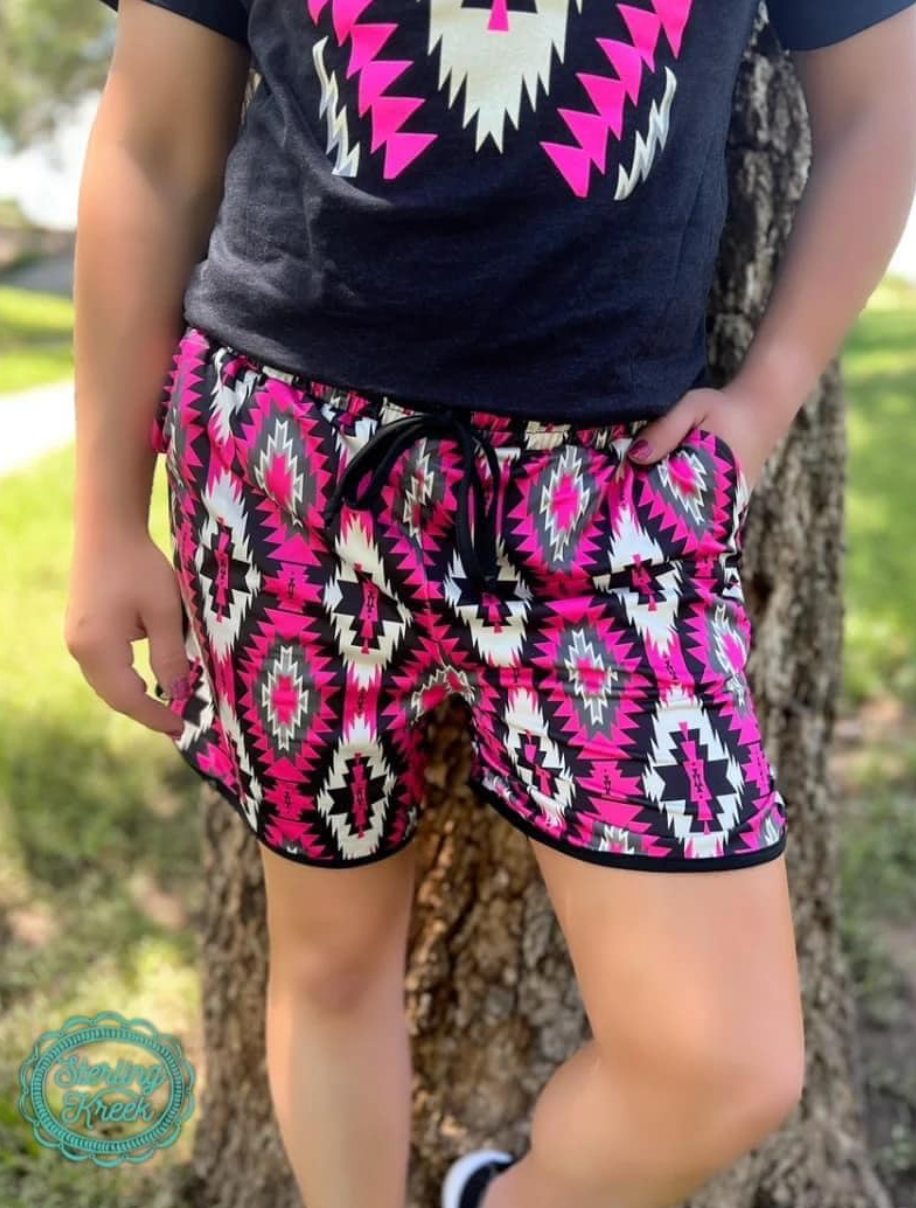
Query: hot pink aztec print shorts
x=346, y=561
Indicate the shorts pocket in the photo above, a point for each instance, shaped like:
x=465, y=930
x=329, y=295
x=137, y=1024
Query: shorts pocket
x=725, y=449
x=284, y=446
x=188, y=356
x=730, y=492
x=157, y=440
x=158, y=432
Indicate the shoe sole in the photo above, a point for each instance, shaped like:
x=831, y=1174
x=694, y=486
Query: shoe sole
x=461, y=1170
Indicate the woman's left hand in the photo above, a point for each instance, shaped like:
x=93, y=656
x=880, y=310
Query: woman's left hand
x=737, y=419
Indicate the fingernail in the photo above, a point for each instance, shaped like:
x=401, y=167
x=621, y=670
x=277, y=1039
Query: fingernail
x=640, y=449
x=180, y=688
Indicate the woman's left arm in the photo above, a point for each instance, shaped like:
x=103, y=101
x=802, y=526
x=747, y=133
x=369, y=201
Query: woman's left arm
x=860, y=92
x=861, y=99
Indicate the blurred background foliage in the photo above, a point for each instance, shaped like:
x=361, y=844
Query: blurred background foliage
x=53, y=53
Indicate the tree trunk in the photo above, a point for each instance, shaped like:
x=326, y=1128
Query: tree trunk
x=493, y=1001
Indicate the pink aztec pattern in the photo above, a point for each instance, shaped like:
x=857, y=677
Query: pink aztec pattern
x=604, y=671
x=613, y=98
x=387, y=113
x=591, y=128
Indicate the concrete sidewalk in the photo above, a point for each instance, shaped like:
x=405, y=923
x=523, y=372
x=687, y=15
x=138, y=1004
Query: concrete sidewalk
x=33, y=422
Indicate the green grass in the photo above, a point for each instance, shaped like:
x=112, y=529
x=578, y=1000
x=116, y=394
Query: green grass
x=879, y=366
x=880, y=868
x=36, y=338
x=99, y=848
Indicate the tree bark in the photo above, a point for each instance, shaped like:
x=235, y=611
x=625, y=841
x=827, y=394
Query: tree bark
x=494, y=1005
x=793, y=578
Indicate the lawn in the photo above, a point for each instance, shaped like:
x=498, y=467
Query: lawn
x=99, y=866
x=36, y=338
x=99, y=840
x=874, y=764
x=880, y=371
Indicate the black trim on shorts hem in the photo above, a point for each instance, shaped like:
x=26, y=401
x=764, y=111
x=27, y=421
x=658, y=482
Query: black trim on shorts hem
x=613, y=859
x=296, y=857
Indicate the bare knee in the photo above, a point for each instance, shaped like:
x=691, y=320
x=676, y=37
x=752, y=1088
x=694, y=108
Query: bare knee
x=772, y=1091
x=338, y=938
x=663, y=1109
x=335, y=980
x=342, y=967
x=734, y=1094
x=338, y=968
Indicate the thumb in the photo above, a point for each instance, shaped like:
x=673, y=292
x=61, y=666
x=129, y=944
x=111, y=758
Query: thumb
x=656, y=439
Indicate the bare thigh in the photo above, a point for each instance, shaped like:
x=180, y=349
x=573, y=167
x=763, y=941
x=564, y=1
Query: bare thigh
x=690, y=982
x=339, y=928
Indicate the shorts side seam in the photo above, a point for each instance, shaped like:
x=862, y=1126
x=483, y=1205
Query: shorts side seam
x=296, y=857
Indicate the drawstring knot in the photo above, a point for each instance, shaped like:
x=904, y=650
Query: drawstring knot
x=478, y=551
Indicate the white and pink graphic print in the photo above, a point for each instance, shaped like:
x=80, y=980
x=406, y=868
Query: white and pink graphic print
x=502, y=56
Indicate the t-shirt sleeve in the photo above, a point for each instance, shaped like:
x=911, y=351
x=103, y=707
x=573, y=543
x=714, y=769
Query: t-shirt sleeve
x=810, y=24
x=227, y=17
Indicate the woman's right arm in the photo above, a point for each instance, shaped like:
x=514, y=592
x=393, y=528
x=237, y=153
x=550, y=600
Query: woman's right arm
x=151, y=186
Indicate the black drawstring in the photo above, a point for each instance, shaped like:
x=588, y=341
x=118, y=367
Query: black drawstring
x=478, y=555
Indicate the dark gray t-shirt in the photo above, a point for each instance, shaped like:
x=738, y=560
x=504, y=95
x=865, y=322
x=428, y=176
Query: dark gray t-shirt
x=511, y=205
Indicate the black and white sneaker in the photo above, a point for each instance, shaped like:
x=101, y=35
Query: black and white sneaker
x=469, y=1176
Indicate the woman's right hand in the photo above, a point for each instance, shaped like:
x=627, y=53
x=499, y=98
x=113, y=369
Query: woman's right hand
x=124, y=588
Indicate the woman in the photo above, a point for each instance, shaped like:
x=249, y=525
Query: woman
x=437, y=418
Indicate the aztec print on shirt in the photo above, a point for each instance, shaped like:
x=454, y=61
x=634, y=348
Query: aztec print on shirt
x=498, y=59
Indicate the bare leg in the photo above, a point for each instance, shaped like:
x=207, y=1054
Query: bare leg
x=338, y=1048
x=691, y=988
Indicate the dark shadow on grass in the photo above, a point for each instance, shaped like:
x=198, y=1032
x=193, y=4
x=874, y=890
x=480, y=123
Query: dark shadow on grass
x=91, y=828
x=109, y=842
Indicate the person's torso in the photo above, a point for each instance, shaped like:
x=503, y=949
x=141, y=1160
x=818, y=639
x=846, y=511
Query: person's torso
x=492, y=184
